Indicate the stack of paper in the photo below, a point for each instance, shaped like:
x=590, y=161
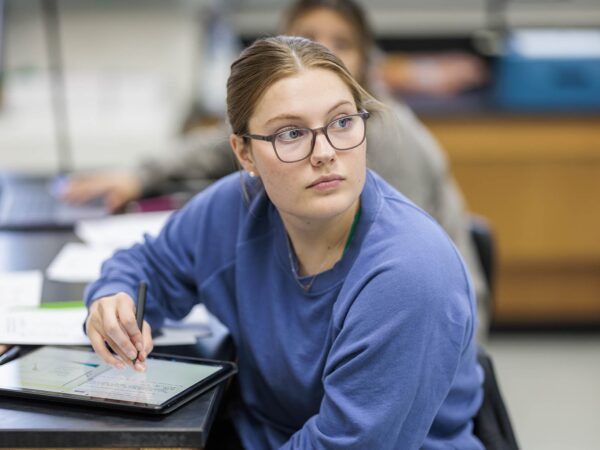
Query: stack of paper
x=20, y=289
x=41, y=326
x=121, y=230
x=61, y=323
x=24, y=320
x=81, y=262
x=78, y=263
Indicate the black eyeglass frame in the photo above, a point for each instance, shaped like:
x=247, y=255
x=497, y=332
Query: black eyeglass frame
x=364, y=115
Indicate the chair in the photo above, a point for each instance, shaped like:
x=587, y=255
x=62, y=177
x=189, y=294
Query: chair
x=485, y=252
x=492, y=423
x=483, y=238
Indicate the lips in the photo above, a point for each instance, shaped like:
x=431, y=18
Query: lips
x=325, y=179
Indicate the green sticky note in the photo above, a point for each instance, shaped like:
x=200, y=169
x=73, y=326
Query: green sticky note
x=62, y=305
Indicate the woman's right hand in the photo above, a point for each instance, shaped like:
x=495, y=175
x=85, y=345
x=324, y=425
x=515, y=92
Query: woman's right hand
x=116, y=188
x=112, y=321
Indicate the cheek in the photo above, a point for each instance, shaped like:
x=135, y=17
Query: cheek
x=278, y=184
x=359, y=166
x=360, y=157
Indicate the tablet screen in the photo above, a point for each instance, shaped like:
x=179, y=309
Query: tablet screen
x=83, y=374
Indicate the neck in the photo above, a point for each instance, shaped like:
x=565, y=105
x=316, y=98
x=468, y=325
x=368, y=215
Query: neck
x=319, y=245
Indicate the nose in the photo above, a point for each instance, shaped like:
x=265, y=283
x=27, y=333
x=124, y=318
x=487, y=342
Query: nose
x=322, y=149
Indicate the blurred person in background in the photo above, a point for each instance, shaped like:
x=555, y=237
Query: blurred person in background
x=401, y=149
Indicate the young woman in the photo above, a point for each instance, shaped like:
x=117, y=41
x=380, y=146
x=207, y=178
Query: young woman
x=350, y=309
x=401, y=150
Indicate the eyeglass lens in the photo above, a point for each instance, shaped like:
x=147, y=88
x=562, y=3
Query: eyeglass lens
x=343, y=133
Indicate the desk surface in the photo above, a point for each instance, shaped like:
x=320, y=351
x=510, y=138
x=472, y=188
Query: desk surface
x=37, y=424
x=26, y=423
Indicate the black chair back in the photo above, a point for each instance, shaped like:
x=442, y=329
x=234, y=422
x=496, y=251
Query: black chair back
x=483, y=238
x=492, y=423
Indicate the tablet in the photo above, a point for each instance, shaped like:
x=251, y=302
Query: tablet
x=80, y=376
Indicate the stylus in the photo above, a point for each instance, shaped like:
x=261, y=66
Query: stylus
x=141, y=305
x=10, y=354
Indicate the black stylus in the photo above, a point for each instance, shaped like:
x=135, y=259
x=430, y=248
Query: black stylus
x=10, y=354
x=141, y=305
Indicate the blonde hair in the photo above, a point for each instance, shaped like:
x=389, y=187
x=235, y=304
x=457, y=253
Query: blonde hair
x=269, y=60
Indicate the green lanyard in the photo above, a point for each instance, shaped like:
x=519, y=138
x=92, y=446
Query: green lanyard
x=353, y=228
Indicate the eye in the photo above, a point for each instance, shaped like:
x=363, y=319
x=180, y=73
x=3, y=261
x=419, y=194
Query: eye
x=291, y=135
x=342, y=122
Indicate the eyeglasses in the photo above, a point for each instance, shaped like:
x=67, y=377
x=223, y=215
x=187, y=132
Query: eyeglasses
x=296, y=144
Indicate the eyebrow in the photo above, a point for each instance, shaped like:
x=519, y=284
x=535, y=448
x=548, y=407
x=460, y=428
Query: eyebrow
x=293, y=117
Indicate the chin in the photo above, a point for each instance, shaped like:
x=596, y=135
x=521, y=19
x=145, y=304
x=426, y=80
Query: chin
x=329, y=207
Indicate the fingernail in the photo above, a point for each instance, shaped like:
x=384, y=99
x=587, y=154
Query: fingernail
x=120, y=365
x=140, y=367
x=132, y=355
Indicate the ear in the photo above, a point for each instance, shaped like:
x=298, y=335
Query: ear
x=243, y=153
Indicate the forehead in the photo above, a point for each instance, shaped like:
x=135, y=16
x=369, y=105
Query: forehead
x=323, y=21
x=311, y=93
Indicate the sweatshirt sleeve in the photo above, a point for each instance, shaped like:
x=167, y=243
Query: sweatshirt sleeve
x=399, y=350
x=179, y=258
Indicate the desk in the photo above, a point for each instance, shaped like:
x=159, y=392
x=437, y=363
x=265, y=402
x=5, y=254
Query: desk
x=30, y=424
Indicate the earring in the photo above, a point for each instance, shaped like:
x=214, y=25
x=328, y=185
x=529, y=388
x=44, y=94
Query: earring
x=252, y=174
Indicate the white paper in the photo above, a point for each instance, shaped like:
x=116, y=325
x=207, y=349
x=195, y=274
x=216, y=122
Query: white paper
x=172, y=336
x=64, y=326
x=196, y=324
x=19, y=289
x=197, y=320
x=78, y=263
x=121, y=231
x=39, y=326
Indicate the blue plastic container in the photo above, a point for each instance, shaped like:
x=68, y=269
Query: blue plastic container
x=550, y=70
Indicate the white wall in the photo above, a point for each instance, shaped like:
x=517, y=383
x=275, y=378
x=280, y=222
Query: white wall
x=130, y=67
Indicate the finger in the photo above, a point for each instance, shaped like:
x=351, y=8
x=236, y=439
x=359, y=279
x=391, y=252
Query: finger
x=118, y=338
x=127, y=319
x=140, y=362
x=115, y=200
x=147, y=341
x=103, y=312
x=99, y=347
x=3, y=348
x=86, y=189
x=120, y=355
x=139, y=366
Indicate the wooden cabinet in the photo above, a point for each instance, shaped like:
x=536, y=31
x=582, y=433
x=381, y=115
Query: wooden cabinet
x=537, y=180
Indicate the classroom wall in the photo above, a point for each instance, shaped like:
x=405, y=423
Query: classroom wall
x=130, y=71
x=133, y=66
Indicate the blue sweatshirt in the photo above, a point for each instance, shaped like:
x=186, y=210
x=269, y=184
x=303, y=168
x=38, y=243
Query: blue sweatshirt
x=378, y=354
